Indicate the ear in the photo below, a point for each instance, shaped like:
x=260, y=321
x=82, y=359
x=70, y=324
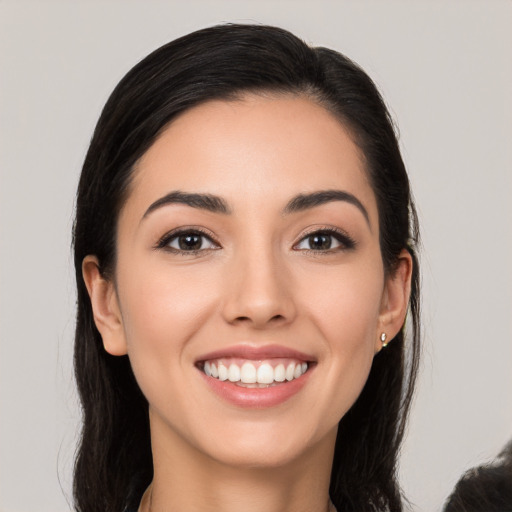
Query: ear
x=395, y=300
x=105, y=307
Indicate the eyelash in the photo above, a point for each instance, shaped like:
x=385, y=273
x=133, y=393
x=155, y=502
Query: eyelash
x=164, y=242
x=345, y=241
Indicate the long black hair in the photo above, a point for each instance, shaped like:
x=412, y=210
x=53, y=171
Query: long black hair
x=114, y=463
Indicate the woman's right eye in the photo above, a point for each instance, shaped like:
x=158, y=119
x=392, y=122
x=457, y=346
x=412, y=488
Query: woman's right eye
x=188, y=242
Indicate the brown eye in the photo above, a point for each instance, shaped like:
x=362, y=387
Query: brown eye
x=188, y=241
x=319, y=242
x=325, y=241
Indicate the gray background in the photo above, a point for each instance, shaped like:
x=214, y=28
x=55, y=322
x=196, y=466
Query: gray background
x=446, y=70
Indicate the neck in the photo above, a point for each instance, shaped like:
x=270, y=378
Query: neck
x=185, y=479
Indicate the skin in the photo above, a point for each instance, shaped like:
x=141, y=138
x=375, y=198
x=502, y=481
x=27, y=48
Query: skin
x=257, y=283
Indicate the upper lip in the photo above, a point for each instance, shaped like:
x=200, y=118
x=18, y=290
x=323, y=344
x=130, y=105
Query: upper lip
x=255, y=353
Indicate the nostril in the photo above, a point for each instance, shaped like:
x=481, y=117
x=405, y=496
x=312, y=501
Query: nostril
x=273, y=319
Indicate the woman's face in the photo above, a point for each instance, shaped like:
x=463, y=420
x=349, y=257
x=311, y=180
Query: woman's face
x=248, y=250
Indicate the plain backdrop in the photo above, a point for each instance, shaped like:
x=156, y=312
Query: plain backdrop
x=445, y=69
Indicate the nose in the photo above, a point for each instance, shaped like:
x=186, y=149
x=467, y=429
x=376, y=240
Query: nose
x=259, y=292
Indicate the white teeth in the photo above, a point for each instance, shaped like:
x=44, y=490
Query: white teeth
x=265, y=374
x=251, y=373
x=280, y=373
x=223, y=372
x=234, y=373
x=248, y=373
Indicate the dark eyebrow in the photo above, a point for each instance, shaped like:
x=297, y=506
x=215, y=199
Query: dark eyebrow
x=207, y=202
x=305, y=201
x=216, y=204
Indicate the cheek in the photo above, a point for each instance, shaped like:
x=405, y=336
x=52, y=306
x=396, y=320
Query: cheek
x=345, y=308
x=346, y=305
x=163, y=306
x=162, y=310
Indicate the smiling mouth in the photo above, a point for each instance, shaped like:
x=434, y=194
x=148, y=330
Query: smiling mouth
x=255, y=374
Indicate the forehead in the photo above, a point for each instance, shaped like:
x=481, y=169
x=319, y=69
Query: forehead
x=257, y=149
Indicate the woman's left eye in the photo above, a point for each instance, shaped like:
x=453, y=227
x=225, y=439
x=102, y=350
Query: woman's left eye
x=325, y=240
x=188, y=241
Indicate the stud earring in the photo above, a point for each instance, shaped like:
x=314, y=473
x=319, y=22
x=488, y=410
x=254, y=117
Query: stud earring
x=383, y=338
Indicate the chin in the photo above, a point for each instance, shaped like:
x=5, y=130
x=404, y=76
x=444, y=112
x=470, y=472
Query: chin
x=265, y=446
x=258, y=457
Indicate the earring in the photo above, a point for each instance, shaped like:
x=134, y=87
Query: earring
x=383, y=338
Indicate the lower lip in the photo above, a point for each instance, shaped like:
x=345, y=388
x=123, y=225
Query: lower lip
x=256, y=398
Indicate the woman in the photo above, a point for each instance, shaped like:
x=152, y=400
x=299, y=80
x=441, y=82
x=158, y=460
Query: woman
x=244, y=250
